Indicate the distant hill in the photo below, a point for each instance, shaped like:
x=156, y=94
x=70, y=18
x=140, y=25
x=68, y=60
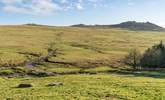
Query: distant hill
x=144, y=26
x=32, y=24
x=131, y=25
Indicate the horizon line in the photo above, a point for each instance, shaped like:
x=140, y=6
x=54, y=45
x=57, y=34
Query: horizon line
x=67, y=25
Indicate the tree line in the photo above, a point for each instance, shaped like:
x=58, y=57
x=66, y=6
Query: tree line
x=153, y=57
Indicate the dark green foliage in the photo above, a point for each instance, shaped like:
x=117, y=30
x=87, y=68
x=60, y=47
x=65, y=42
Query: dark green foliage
x=40, y=73
x=154, y=57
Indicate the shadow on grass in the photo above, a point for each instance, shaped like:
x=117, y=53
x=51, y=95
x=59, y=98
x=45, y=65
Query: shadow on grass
x=153, y=74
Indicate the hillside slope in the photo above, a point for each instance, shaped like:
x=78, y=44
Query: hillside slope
x=139, y=26
x=130, y=25
x=78, y=45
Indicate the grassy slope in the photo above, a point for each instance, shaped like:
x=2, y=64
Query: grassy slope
x=85, y=87
x=79, y=44
x=88, y=44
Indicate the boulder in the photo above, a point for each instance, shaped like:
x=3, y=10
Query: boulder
x=25, y=85
x=55, y=84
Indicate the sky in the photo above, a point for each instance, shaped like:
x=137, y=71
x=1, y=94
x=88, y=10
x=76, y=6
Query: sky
x=69, y=12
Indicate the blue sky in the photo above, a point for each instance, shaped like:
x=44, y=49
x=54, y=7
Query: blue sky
x=68, y=12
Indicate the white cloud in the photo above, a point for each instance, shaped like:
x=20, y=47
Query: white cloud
x=29, y=7
x=79, y=6
x=14, y=9
x=11, y=1
x=44, y=6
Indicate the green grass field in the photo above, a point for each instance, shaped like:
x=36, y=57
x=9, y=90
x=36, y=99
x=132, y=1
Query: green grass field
x=85, y=87
x=97, y=50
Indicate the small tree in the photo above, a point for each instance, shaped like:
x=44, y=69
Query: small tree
x=133, y=58
x=154, y=57
x=54, y=48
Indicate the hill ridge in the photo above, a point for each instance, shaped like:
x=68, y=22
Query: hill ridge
x=131, y=25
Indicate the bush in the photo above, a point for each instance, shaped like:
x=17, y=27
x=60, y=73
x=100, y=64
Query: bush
x=40, y=73
x=154, y=57
x=133, y=58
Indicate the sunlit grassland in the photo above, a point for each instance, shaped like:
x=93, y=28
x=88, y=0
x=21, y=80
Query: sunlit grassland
x=78, y=44
x=85, y=87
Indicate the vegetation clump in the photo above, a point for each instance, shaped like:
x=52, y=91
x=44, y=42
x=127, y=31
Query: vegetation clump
x=40, y=73
x=153, y=57
x=133, y=58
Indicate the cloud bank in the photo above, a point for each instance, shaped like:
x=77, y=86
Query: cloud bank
x=45, y=6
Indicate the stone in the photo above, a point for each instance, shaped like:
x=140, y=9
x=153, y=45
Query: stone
x=25, y=85
x=55, y=84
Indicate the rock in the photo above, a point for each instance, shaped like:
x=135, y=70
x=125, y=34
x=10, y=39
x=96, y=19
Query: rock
x=56, y=84
x=25, y=85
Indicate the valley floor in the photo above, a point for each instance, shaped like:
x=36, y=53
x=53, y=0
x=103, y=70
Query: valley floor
x=85, y=87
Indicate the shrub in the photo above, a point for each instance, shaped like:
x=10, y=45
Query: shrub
x=154, y=57
x=133, y=58
x=40, y=73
